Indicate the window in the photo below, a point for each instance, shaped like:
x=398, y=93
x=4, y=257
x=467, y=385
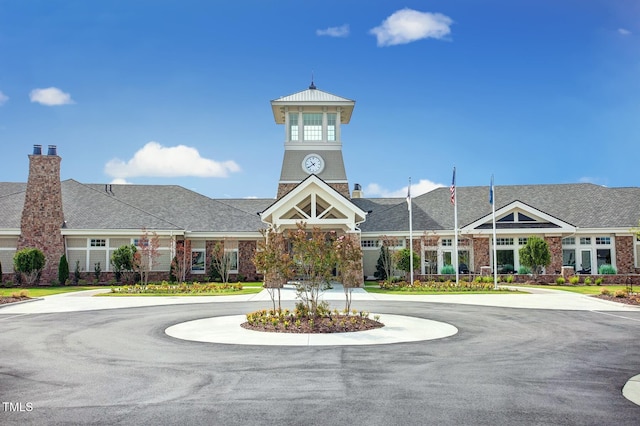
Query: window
x=569, y=241
x=524, y=218
x=312, y=125
x=507, y=218
x=603, y=240
x=522, y=241
x=505, y=261
x=585, y=241
x=233, y=259
x=369, y=243
x=197, y=260
x=331, y=126
x=431, y=262
x=569, y=257
x=504, y=241
x=293, y=126
x=447, y=242
x=98, y=242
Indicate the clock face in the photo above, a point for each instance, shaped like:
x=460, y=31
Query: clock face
x=313, y=164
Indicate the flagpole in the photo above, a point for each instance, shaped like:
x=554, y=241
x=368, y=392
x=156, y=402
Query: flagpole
x=454, y=194
x=495, y=250
x=410, y=232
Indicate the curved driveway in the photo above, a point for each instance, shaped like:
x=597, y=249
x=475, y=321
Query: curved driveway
x=505, y=366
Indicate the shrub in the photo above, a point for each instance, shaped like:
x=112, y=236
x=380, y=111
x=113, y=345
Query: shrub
x=605, y=291
x=621, y=293
x=448, y=270
x=76, y=273
x=63, y=269
x=587, y=281
x=509, y=279
x=574, y=280
x=507, y=269
x=97, y=270
x=29, y=262
x=560, y=280
x=599, y=281
x=607, y=269
x=524, y=270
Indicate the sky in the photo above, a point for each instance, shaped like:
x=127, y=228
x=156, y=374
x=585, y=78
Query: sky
x=178, y=92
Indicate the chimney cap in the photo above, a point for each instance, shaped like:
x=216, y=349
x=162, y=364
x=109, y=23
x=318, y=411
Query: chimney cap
x=37, y=149
x=53, y=150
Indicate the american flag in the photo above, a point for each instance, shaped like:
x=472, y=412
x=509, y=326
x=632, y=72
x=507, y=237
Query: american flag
x=453, y=187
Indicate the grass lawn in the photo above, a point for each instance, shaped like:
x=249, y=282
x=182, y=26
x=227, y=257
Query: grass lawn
x=582, y=289
x=373, y=287
x=45, y=291
x=247, y=288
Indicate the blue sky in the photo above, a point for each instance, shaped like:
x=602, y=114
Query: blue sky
x=177, y=92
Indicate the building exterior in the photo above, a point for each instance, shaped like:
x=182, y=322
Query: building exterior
x=585, y=225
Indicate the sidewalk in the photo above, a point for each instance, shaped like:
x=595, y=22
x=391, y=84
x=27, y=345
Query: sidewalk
x=538, y=299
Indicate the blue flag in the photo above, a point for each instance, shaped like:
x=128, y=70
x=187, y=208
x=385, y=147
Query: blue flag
x=491, y=191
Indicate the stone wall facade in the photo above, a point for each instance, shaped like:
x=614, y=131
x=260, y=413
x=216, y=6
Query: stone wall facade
x=246, y=268
x=555, y=247
x=285, y=188
x=480, y=253
x=624, y=254
x=42, y=215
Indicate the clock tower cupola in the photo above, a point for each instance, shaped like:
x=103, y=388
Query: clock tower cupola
x=312, y=145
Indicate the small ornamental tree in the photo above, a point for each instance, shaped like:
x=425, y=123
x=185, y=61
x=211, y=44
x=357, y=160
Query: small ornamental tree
x=386, y=255
x=122, y=260
x=403, y=260
x=314, y=260
x=273, y=259
x=29, y=262
x=349, y=264
x=535, y=255
x=146, y=254
x=63, y=270
x=221, y=261
x=181, y=262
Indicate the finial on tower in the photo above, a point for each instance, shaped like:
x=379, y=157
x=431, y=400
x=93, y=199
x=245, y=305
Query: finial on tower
x=312, y=86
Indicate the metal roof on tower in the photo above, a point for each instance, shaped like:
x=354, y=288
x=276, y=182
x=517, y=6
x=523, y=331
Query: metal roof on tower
x=312, y=97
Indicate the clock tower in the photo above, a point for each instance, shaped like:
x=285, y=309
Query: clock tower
x=312, y=144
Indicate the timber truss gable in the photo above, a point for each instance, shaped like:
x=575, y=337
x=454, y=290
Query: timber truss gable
x=317, y=204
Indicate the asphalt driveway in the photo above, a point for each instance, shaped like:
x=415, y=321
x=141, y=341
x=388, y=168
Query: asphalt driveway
x=505, y=366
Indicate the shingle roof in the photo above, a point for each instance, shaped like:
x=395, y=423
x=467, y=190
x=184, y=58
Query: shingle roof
x=169, y=207
x=11, y=203
x=582, y=205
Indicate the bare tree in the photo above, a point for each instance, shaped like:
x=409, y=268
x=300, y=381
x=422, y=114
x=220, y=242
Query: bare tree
x=181, y=263
x=221, y=261
x=146, y=254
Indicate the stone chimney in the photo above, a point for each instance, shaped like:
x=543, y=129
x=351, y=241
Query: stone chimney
x=42, y=215
x=357, y=191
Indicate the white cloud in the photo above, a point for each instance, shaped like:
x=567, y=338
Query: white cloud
x=341, y=31
x=155, y=160
x=624, y=31
x=3, y=98
x=407, y=25
x=120, y=181
x=50, y=96
x=423, y=186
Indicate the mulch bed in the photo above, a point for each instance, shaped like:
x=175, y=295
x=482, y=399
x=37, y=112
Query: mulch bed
x=633, y=300
x=5, y=300
x=338, y=324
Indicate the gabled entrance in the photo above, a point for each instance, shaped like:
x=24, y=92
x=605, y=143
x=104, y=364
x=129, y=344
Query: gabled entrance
x=318, y=205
